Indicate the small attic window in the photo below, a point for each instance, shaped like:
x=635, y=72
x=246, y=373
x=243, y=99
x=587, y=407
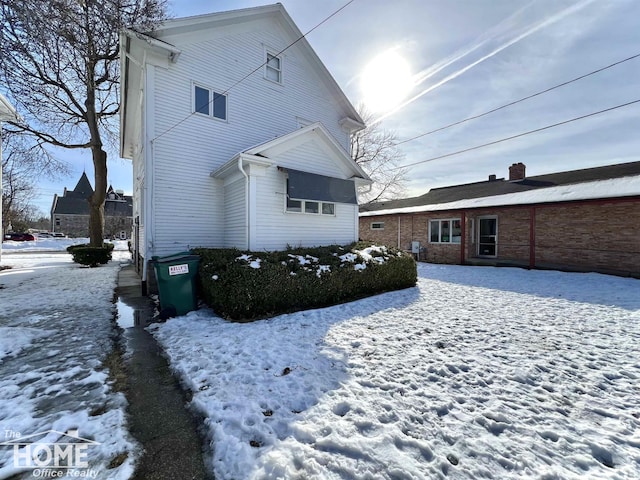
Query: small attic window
x=273, y=68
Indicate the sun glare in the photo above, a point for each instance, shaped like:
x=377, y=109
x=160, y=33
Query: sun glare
x=386, y=81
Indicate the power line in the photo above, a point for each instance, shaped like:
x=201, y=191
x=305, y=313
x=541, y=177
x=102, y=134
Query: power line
x=516, y=136
x=520, y=100
x=260, y=66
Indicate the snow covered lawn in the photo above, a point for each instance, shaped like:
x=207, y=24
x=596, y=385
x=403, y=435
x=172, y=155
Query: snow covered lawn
x=477, y=372
x=55, y=331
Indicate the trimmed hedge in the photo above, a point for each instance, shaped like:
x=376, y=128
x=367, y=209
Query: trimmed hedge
x=85, y=254
x=246, y=286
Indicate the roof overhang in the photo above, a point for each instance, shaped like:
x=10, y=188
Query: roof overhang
x=614, y=188
x=7, y=112
x=238, y=162
x=301, y=135
x=135, y=48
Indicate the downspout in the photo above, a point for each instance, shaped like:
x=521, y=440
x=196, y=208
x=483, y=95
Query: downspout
x=532, y=237
x=246, y=201
x=463, y=237
x=398, y=232
x=148, y=201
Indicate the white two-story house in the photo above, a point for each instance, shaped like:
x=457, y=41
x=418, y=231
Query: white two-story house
x=239, y=137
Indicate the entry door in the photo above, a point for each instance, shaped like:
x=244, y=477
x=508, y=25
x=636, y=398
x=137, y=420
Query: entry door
x=488, y=237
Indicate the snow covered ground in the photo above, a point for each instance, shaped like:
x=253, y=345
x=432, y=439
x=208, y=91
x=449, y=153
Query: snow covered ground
x=55, y=331
x=49, y=245
x=477, y=372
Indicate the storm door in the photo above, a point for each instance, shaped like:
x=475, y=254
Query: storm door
x=488, y=237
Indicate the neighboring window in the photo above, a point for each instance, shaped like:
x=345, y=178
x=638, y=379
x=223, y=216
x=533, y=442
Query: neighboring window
x=377, y=225
x=211, y=103
x=57, y=222
x=445, y=231
x=273, y=68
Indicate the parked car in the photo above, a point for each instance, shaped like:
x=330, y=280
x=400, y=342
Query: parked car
x=19, y=237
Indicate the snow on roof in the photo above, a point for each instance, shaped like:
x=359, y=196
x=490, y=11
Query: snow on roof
x=612, y=188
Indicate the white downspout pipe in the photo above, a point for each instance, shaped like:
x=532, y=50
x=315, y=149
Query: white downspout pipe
x=246, y=202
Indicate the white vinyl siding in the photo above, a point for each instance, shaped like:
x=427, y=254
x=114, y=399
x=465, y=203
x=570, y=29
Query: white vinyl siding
x=275, y=228
x=235, y=231
x=188, y=206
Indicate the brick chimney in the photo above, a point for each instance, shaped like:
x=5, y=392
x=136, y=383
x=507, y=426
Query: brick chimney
x=517, y=171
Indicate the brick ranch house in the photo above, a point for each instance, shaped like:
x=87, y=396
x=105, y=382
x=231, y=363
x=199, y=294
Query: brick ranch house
x=581, y=220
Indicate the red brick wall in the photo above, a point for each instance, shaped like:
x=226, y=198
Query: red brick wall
x=603, y=236
x=600, y=236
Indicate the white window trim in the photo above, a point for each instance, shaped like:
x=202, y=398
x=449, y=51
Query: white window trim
x=211, y=90
x=440, y=220
x=376, y=223
x=273, y=52
x=303, y=206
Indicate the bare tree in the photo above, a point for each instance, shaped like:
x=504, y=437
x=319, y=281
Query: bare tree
x=23, y=164
x=375, y=150
x=59, y=62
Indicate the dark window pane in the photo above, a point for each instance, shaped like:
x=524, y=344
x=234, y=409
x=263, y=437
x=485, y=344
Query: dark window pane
x=294, y=205
x=311, y=207
x=435, y=231
x=219, y=106
x=328, y=208
x=445, y=236
x=202, y=100
x=456, y=231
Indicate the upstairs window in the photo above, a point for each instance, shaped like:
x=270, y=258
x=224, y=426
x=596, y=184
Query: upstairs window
x=209, y=102
x=273, y=68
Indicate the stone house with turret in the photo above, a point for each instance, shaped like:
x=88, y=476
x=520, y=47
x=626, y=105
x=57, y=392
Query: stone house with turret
x=70, y=212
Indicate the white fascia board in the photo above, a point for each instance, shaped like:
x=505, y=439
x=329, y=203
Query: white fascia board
x=596, y=190
x=7, y=112
x=154, y=44
x=232, y=165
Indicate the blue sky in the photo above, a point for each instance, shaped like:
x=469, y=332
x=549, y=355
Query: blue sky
x=516, y=47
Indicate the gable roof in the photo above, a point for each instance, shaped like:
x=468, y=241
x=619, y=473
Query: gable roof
x=155, y=40
x=75, y=202
x=610, y=181
x=263, y=152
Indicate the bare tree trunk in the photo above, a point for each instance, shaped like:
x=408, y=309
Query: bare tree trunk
x=96, y=200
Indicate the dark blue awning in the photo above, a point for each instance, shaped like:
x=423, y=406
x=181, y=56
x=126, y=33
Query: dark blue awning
x=310, y=186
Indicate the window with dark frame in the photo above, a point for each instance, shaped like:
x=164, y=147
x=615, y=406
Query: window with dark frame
x=377, y=225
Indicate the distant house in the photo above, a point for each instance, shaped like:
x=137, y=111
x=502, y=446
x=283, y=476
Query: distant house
x=223, y=157
x=70, y=212
x=577, y=220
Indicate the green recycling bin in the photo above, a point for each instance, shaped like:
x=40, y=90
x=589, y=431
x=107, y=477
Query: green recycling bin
x=176, y=275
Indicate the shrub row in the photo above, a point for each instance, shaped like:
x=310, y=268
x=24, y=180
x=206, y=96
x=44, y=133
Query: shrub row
x=249, y=285
x=85, y=254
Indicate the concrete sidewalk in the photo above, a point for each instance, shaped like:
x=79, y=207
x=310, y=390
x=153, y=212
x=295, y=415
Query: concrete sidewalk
x=158, y=416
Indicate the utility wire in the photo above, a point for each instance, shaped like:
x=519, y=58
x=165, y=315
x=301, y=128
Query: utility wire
x=516, y=136
x=520, y=100
x=260, y=66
